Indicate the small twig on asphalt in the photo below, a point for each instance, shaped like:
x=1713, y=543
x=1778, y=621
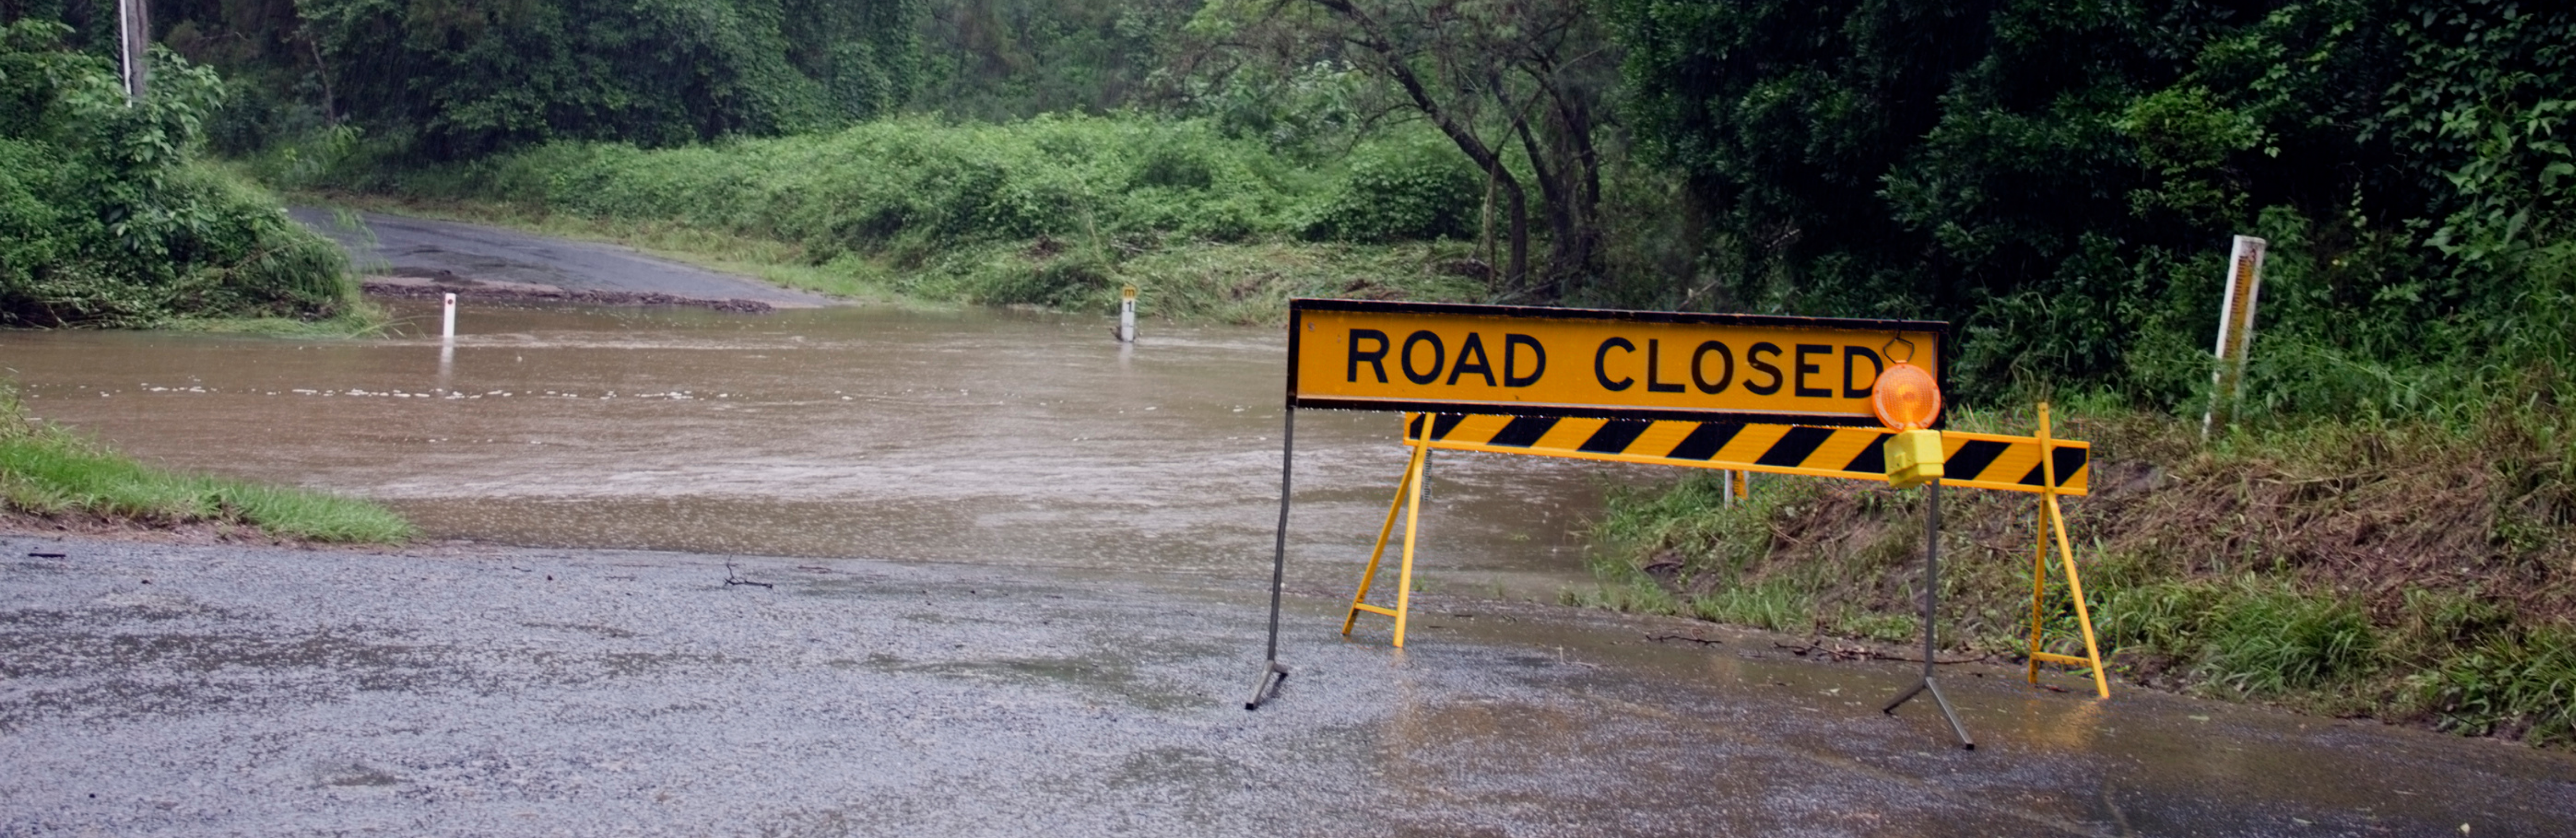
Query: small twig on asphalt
x=1659, y=638
x=47, y=555
x=732, y=578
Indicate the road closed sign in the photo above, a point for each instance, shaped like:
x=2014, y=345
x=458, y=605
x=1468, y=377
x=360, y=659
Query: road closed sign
x=1450, y=358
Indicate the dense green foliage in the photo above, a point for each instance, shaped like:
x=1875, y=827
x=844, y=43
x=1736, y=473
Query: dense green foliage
x=919, y=184
x=46, y=470
x=1014, y=59
x=456, y=79
x=467, y=78
x=105, y=219
x=915, y=185
x=1056, y=211
x=2061, y=179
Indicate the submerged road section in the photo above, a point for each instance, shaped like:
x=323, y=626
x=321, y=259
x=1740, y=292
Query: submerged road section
x=190, y=690
x=421, y=248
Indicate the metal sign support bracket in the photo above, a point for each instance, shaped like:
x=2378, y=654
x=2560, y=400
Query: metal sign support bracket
x=1931, y=607
x=1274, y=673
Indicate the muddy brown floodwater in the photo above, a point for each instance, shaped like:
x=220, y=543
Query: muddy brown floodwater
x=981, y=436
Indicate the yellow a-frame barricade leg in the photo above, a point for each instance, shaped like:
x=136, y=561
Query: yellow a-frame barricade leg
x=1408, y=498
x=2052, y=522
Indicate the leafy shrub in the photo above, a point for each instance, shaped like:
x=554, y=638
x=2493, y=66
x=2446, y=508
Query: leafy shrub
x=106, y=218
x=911, y=183
x=1402, y=190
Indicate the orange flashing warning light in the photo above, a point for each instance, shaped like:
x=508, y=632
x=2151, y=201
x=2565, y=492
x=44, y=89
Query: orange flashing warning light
x=1905, y=398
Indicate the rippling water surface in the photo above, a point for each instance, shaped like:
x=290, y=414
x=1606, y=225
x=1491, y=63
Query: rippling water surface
x=977, y=436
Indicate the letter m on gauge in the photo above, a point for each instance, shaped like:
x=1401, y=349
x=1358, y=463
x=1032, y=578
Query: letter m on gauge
x=1448, y=358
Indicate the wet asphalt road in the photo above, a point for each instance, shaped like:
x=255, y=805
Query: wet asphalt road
x=472, y=691
x=379, y=243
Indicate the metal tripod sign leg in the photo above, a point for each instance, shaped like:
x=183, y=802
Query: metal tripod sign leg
x=1931, y=608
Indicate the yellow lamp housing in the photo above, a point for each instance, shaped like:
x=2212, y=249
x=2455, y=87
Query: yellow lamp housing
x=1913, y=458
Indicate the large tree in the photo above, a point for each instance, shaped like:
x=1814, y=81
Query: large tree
x=1518, y=86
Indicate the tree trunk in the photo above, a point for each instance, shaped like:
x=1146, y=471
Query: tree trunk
x=1553, y=201
x=1375, y=41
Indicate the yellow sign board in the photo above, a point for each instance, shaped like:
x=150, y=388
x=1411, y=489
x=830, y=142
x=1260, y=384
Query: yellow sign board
x=1450, y=358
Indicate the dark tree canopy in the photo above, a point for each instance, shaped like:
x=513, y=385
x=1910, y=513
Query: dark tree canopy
x=2062, y=178
x=456, y=79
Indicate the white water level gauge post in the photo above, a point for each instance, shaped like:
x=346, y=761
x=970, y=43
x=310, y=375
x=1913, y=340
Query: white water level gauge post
x=1127, y=314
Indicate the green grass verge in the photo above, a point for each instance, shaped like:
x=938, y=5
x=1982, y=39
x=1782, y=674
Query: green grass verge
x=49, y=471
x=2410, y=572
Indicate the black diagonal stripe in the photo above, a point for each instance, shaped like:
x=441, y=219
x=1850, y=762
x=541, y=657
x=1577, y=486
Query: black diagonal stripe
x=1614, y=436
x=2068, y=461
x=1443, y=423
x=2034, y=478
x=1705, y=440
x=1414, y=431
x=1523, y=432
x=1972, y=459
x=1873, y=457
x=1794, y=446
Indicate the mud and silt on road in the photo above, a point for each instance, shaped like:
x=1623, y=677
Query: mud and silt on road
x=231, y=690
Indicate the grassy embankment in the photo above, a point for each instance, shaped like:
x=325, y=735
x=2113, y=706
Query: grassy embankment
x=2409, y=571
x=1055, y=212
x=51, y=473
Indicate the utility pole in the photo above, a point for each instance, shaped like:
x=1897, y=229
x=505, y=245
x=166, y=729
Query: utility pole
x=134, y=41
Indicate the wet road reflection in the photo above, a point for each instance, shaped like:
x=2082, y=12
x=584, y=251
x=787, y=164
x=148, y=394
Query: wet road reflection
x=980, y=436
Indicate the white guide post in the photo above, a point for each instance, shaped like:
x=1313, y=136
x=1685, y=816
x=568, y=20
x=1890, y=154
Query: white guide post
x=134, y=44
x=447, y=331
x=2235, y=332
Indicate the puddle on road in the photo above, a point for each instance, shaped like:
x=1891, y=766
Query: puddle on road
x=981, y=436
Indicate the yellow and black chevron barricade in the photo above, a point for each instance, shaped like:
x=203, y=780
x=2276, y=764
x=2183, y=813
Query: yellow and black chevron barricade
x=1971, y=460
x=1743, y=393
x=1979, y=461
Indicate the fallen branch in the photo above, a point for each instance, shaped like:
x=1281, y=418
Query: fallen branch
x=1659, y=638
x=732, y=578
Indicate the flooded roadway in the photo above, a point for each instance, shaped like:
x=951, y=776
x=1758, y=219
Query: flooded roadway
x=1071, y=657
x=975, y=436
